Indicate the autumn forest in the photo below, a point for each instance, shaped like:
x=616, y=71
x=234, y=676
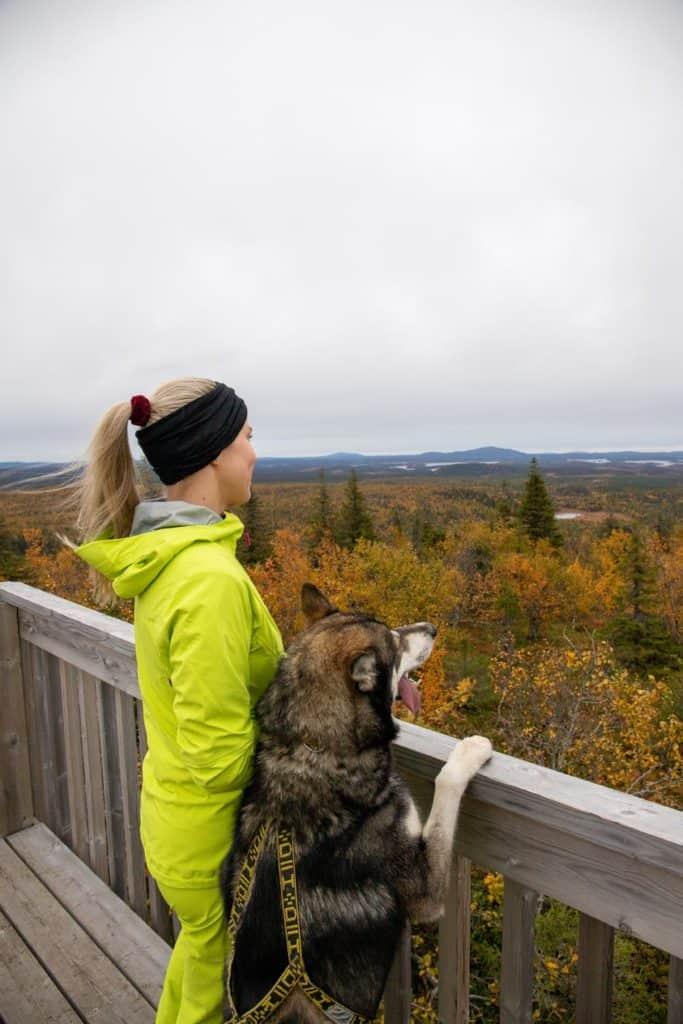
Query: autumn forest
x=559, y=607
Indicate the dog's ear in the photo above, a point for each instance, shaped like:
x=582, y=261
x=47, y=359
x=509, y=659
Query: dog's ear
x=314, y=603
x=364, y=671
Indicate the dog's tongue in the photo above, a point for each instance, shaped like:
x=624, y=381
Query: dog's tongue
x=409, y=694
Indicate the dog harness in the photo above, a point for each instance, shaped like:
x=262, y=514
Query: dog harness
x=294, y=974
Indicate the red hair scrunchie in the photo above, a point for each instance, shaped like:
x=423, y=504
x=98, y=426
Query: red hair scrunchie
x=140, y=410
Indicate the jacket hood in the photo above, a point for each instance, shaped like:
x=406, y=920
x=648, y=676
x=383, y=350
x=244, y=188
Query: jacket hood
x=133, y=562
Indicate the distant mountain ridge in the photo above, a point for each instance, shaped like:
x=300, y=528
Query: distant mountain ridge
x=483, y=461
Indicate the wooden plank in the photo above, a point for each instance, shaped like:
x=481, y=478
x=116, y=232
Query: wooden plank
x=160, y=913
x=31, y=711
x=54, y=713
x=46, y=768
x=454, y=947
x=128, y=763
x=89, y=699
x=97, y=643
x=594, y=981
x=675, y=1002
x=78, y=815
x=27, y=993
x=517, y=967
x=398, y=994
x=96, y=988
x=133, y=946
x=113, y=802
x=16, y=799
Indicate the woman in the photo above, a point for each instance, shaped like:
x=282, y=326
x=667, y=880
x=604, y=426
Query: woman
x=206, y=650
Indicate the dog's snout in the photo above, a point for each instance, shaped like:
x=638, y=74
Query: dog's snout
x=432, y=630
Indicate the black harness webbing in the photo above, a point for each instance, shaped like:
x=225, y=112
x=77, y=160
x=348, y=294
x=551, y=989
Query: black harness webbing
x=294, y=974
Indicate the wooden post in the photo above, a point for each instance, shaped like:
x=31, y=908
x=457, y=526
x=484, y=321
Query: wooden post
x=675, y=1014
x=89, y=700
x=454, y=947
x=16, y=800
x=73, y=744
x=517, y=973
x=398, y=994
x=594, y=983
x=128, y=756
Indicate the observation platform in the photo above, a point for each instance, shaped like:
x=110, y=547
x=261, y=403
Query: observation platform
x=85, y=934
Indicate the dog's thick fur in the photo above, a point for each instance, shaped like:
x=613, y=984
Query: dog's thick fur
x=323, y=768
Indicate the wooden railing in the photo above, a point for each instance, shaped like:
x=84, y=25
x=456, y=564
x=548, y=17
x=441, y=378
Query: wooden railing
x=72, y=738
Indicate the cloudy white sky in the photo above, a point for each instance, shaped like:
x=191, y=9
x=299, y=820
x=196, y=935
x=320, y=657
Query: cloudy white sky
x=391, y=227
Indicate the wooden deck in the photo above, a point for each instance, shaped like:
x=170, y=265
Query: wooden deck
x=70, y=949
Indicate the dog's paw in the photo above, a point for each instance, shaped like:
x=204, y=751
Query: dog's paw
x=473, y=752
x=466, y=760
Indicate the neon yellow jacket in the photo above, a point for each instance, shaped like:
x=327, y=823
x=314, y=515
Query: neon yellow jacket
x=206, y=649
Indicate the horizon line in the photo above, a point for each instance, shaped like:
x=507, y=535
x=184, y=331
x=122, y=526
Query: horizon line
x=668, y=450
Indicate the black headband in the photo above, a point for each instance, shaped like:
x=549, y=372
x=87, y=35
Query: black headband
x=189, y=438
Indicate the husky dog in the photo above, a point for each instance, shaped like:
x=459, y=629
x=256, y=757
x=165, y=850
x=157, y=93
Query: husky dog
x=363, y=860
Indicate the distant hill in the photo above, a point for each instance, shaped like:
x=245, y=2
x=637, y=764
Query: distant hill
x=473, y=462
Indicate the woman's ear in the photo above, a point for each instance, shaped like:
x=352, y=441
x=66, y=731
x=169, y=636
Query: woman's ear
x=314, y=604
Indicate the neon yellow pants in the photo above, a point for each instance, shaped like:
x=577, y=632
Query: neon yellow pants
x=193, y=986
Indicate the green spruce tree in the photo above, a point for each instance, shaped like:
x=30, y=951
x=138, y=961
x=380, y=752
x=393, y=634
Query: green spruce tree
x=320, y=523
x=255, y=543
x=354, y=520
x=537, y=513
x=640, y=637
x=423, y=533
x=505, y=509
x=12, y=565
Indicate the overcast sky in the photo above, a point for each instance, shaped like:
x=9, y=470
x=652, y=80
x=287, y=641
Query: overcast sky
x=391, y=227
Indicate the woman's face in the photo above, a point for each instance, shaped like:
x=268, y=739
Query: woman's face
x=235, y=466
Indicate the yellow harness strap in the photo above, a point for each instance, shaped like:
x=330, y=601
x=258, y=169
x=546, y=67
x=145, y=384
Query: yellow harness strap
x=294, y=973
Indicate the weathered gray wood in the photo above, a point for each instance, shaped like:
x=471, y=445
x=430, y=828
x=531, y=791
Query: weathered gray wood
x=99, y=644
x=31, y=711
x=96, y=987
x=517, y=965
x=398, y=994
x=113, y=798
x=160, y=914
x=128, y=758
x=605, y=817
x=134, y=947
x=594, y=981
x=675, y=1014
x=54, y=723
x=48, y=769
x=454, y=947
x=27, y=993
x=89, y=700
x=16, y=799
x=78, y=814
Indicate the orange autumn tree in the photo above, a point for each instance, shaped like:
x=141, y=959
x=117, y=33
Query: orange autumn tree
x=579, y=712
x=59, y=572
x=387, y=581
